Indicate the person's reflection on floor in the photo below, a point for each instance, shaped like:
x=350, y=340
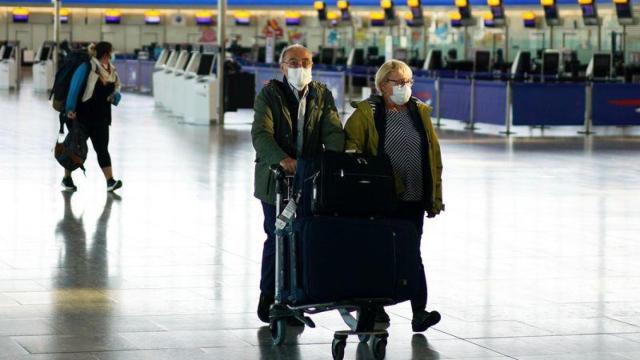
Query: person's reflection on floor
x=98, y=258
x=82, y=307
x=71, y=229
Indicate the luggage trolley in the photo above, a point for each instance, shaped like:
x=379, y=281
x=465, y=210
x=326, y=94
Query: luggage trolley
x=362, y=325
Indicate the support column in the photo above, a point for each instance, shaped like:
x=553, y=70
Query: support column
x=466, y=43
x=222, y=14
x=56, y=32
x=599, y=35
x=588, y=111
x=506, y=42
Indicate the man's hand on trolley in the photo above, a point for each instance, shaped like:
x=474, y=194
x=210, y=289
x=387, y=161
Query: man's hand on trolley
x=289, y=165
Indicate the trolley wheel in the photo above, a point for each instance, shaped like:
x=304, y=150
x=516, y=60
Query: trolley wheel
x=278, y=331
x=337, y=348
x=364, y=338
x=379, y=347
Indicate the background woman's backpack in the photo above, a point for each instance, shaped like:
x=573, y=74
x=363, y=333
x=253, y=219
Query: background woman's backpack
x=62, y=83
x=71, y=152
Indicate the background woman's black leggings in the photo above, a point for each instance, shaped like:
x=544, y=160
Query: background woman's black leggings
x=414, y=212
x=98, y=131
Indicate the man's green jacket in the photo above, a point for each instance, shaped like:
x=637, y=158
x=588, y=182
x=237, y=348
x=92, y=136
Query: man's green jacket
x=272, y=131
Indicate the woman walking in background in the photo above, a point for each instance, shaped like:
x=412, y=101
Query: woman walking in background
x=95, y=87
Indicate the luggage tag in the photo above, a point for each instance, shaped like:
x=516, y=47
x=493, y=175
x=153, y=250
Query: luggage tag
x=287, y=214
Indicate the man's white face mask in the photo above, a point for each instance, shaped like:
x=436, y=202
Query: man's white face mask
x=299, y=77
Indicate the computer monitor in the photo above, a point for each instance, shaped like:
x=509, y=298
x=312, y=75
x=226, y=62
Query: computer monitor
x=551, y=63
x=600, y=66
x=358, y=57
x=8, y=49
x=44, y=53
x=436, y=62
x=186, y=63
x=207, y=62
x=327, y=56
x=521, y=64
x=433, y=60
x=482, y=61
x=173, y=59
x=452, y=54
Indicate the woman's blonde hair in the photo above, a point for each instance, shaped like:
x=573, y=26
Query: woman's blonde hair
x=389, y=67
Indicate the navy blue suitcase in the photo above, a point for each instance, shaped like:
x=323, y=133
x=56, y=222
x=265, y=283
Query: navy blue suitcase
x=343, y=259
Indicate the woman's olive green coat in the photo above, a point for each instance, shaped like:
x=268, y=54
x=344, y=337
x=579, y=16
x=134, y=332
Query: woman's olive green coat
x=362, y=136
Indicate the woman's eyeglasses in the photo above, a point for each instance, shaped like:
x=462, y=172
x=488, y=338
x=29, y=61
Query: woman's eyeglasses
x=401, y=83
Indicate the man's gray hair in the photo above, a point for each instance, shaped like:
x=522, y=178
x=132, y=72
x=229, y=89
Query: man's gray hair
x=285, y=50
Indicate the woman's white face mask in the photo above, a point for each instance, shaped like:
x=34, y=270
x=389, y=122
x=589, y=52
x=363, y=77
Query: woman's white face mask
x=299, y=77
x=401, y=94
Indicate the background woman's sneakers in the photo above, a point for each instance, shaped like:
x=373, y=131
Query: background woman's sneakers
x=113, y=185
x=422, y=320
x=68, y=185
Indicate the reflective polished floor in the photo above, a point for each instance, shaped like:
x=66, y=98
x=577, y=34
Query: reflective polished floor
x=535, y=258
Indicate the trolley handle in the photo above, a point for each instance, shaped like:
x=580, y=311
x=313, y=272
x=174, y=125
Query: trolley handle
x=282, y=180
x=278, y=171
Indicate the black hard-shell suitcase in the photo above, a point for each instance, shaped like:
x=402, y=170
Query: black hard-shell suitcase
x=345, y=258
x=347, y=184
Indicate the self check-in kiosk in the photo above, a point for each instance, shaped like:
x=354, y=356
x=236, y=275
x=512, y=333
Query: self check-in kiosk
x=43, y=71
x=166, y=92
x=202, y=105
x=180, y=83
x=9, y=66
x=161, y=75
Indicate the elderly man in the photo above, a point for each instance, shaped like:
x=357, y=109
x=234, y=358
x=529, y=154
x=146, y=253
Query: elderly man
x=294, y=118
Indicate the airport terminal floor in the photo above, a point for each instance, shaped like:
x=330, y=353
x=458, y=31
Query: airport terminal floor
x=535, y=258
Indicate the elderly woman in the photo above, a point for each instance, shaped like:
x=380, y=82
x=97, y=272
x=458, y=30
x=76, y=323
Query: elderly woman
x=399, y=125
